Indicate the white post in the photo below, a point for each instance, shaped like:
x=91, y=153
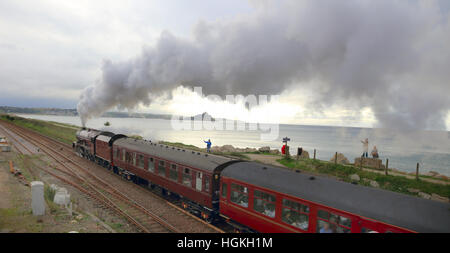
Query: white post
x=37, y=198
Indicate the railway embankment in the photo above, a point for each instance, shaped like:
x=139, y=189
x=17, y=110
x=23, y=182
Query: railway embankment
x=15, y=202
x=58, y=131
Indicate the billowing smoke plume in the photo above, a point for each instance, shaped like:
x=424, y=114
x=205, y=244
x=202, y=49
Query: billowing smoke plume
x=392, y=56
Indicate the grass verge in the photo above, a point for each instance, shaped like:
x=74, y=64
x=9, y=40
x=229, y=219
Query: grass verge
x=389, y=182
x=59, y=131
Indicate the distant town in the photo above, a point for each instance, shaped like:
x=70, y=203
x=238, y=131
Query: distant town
x=73, y=112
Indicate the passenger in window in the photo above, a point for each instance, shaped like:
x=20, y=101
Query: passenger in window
x=269, y=211
x=242, y=200
x=288, y=219
x=326, y=228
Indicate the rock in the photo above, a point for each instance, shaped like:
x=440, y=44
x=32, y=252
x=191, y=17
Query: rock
x=437, y=197
x=355, y=177
x=215, y=149
x=62, y=197
x=227, y=148
x=443, y=177
x=264, y=149
x=54, y=187
x=79, y=217
x=37, y=198
x=274, y=151
x=413, y=190
x=432, y=173
x=424, y=195
x=304, y=155
x=374, y=184
x=341, y=159
x=369, y=162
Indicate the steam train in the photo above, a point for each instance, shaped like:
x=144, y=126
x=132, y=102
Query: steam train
x=254, y=197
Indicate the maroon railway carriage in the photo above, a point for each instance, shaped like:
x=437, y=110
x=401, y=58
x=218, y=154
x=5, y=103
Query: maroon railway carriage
x=103, y=148
x=256, y=197
x=270, y=199
x=193, y=176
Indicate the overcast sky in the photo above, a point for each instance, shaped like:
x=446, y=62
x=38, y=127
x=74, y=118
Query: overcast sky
x=50, y=51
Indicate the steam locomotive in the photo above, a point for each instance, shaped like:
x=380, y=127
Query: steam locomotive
x=254, y=197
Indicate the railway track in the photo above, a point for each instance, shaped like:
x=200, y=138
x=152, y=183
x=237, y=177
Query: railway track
x=143, y=219
x=74, y=174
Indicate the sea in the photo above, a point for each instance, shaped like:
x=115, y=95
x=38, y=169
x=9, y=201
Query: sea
x=404, y=149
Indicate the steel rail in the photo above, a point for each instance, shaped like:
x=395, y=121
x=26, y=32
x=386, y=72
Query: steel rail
x=105, y=199
x=112, y=189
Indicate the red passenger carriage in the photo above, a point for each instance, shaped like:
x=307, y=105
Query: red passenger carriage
x=262, y=198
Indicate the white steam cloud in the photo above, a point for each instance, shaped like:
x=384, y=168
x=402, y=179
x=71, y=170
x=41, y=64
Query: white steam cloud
x=392, y=56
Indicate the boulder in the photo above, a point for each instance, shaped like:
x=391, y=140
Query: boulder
x=437, y=197
x=424, y=195
x=412, y=190
x=443, y=177
x=228, y=148
x=274, y=151
x=341, y=159
x=432, y=173
x=355, y=177
x=250, y=150
x=215, y=149
x=264, y=149
x=304, y=155
x=369, y=162
x=374, y=184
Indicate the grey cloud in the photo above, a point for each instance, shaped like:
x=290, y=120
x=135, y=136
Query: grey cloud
x=378, y=53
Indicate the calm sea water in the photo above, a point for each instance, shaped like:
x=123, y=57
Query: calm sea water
x=404, y=149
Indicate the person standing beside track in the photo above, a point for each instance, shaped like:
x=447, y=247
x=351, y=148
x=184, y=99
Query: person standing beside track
x=365, y=147
x=208, y=145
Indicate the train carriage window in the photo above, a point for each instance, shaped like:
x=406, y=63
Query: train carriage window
x=332, y=223
x=264, y=203
x=239, y=195
x=133, y=159
x=127, y=157
x=224, y=190
x=207, y=179
x=187, y=178
x=151, y=165
x=161, y=169
x=173, y=173
x=140, y=161
x=123, y=155
x=295, y=214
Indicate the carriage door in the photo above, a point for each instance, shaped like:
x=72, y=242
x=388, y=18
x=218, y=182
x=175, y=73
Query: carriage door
x=198, y=181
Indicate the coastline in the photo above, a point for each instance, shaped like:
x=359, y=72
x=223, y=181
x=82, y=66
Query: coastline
x=431, y=185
